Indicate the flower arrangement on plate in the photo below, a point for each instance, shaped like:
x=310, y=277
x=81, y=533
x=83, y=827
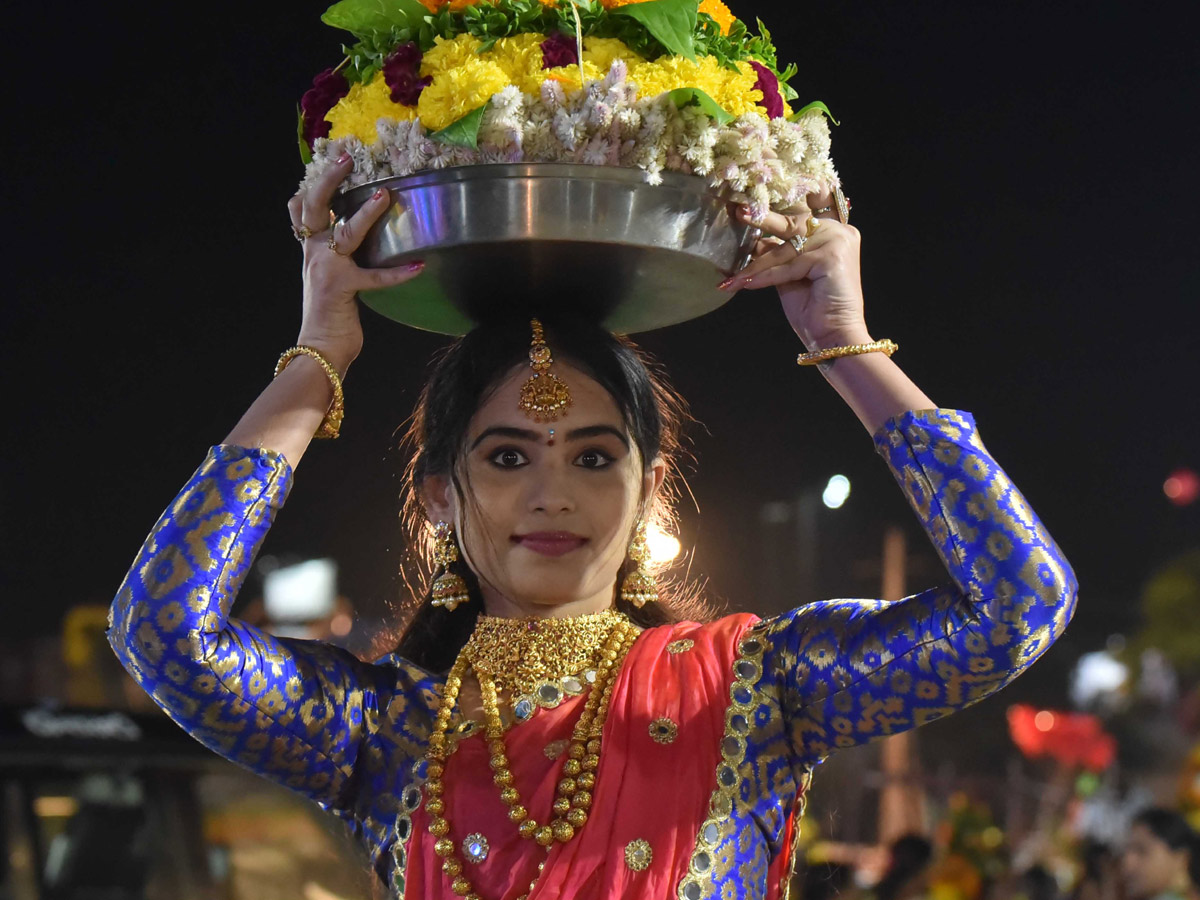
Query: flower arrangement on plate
x=659, y=85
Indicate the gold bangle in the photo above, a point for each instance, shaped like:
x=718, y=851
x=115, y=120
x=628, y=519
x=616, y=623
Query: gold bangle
x=332, y=423
x=820, y=356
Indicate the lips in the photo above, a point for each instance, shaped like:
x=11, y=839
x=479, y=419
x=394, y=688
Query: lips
x=550, y=543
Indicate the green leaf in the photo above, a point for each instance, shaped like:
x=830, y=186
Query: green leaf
x=788, y=92
x=305, y=152
x=817, y=105
x=681, y=97
x=364, y=17
x=671, y=22
x=463, y=132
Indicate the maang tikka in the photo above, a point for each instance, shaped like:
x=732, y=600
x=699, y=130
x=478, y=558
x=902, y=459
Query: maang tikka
x=544, y=397
x=449, y=589
x=639, y=587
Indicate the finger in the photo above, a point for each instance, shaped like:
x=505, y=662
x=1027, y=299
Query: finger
x=296, y=208
x=371, y=279
x=781, y=264
x=350, y=234
x=773, y=255
x=782, y=225
x=317, y=198
x=821, y=204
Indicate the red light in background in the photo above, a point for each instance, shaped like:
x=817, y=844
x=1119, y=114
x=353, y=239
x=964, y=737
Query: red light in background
x=1044, y=720
x=1182, y=487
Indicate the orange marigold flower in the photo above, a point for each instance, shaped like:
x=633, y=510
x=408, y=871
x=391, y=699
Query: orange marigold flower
x=720, y=12
x=432, y=5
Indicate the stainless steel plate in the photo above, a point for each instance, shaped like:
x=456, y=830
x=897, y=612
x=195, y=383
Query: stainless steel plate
x=544, y=237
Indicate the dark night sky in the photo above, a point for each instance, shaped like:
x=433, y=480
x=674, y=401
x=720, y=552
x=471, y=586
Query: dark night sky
x=1024, y=176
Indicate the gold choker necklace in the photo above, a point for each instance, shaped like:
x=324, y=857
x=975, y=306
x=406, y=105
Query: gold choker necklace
x=582, y=759
x=532, y=658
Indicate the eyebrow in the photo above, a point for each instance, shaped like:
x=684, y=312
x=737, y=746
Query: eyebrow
x=525, y=434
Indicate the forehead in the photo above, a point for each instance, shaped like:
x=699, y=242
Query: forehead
x=591, y=404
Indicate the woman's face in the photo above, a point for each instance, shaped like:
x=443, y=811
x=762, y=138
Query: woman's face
x=1149, y=866
x=552, y=505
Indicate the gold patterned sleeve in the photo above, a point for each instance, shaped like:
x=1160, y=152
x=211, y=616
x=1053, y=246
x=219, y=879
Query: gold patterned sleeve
x=293, y=711
x=849, y=671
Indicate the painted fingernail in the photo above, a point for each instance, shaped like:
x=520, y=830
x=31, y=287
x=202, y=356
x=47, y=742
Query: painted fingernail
x=416, y=265
x=343, y=159
x=724, y=285
x=378, y=195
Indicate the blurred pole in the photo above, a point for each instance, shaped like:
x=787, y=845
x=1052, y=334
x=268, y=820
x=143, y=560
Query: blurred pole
x=901, y=799
x=808, y=585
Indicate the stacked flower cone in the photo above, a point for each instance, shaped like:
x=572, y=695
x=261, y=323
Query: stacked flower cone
x=658, y=85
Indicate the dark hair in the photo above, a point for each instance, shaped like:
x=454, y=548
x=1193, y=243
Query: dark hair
x=908, y=857
x=1038, y=883
x=1173, y=830
x=464, y=376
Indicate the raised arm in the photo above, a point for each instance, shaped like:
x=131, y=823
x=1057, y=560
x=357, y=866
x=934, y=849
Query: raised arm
x=849, y=671
x=293, y=711
x=846, y=671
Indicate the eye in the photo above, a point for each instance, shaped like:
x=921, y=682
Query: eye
x=508, y=458
x=593, y=459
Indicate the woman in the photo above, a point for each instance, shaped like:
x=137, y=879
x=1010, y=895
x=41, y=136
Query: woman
x=621, y=754
x=1161, y=857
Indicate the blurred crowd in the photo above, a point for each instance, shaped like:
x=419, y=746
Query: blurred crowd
x=1159, y=859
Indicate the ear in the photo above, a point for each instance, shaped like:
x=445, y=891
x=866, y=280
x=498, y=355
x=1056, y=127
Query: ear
x=655, y=475
x=437, y=498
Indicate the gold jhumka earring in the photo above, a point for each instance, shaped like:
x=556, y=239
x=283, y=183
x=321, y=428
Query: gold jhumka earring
x=639, y=587
x=544, y=397
x=449, y=589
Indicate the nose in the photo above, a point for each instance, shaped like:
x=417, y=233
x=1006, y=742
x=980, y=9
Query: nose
x=550, y=492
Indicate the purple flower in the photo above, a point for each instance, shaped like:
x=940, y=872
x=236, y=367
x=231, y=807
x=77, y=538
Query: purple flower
x=402, y=73
x=559, y=50
x=327, y=89
x=769, y=85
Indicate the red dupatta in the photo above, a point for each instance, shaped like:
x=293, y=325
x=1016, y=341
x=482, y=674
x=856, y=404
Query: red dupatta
x=661, y=747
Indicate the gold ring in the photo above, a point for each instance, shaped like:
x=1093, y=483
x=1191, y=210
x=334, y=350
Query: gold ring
x=843, y=205
x=823, y=209
x=813, y=224
x=332, y=244
x=302, y=232
x=797, y=243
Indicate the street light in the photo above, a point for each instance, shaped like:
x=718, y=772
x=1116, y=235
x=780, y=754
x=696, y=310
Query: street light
x=789, y=538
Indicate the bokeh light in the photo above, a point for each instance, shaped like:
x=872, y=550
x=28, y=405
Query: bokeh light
x=836, y=491
x=1182, y=487
x=663, y=546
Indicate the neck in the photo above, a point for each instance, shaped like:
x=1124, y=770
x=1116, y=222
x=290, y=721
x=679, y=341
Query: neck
x=503, y=607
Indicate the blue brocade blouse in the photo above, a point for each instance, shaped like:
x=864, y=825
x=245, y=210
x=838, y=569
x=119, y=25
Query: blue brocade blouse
x=784, y=692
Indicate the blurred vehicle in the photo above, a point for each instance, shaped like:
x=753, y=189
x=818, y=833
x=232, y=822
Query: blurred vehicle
x=102, y=805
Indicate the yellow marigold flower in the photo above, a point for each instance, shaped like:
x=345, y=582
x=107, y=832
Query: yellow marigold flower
x=520, y=56
x=449, y=54
x=733, y=90
x=568, y=76
x=356, y=113
x=602, y=52
x=720, y=12
x=455, y=92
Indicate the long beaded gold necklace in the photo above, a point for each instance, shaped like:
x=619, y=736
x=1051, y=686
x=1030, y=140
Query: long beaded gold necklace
x=582, y=758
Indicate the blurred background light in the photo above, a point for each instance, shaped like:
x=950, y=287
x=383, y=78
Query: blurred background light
x=664, y=547
x=836, y=491
x=304, y=592
x=1182, y=487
